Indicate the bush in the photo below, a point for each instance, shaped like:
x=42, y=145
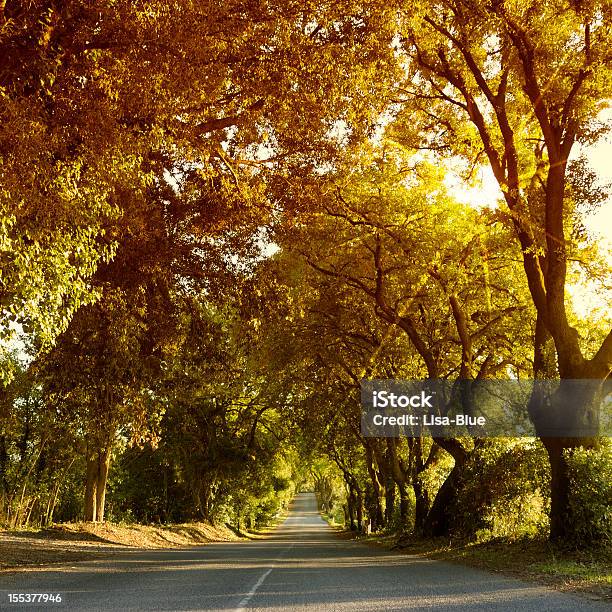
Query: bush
x=590, y=473
x=505, y=492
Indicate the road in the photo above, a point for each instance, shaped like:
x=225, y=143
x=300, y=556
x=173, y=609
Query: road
x=301, y=566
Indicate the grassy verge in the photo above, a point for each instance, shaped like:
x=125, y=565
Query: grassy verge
x=589, y=572
x=330, y=520
x=586, y=572
x=81, y=541
x=335, y=520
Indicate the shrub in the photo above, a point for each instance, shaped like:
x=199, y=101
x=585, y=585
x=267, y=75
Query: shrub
x=505, y=491
x=590, y=473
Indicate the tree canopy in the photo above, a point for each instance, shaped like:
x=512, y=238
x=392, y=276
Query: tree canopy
x=218, y=218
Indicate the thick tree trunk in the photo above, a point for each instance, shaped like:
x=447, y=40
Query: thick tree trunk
x=421, y=494
x=560, y=519
x=400, y=476
x=439, y=520
x=580, y=400
x=378, y=517
x=404, y=505
x=562, y=522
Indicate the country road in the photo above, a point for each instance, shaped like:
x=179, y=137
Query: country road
x=301, y=566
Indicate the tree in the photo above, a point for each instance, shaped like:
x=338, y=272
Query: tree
x=96, y=95
x=529, y=78
x=37, y=453
x=222, y=423
x=440, y=272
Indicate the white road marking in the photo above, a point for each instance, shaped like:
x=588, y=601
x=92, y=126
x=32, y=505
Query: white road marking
x=247, y=598
x=243, y=604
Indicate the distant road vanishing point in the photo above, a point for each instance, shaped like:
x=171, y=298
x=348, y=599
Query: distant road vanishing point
x=302, y=565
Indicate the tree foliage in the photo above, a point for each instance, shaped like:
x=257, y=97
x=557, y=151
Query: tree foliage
x=216, y=219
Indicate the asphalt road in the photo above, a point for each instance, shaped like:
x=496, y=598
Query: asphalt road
x=302, y=566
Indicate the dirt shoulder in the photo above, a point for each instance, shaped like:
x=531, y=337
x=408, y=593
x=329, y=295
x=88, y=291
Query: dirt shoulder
x=583, y=572
x=20, y=549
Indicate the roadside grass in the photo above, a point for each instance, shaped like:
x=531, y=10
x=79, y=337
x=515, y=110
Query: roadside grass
x=580, y=571
x=335, y=519
x=257, y=533
x=70, y=542
x=588, y=572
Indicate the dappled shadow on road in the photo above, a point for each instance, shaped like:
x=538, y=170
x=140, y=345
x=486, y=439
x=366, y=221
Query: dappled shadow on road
x=335, y=584
x=301, y=565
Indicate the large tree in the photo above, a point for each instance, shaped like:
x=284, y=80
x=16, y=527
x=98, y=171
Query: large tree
x=95, y=95
x=518, y=85
x=390, y=249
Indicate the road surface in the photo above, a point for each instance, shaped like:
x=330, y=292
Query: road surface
x=301, y=566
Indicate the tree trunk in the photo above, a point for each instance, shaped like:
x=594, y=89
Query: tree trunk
x=389, y=499
x=400, y=476
x=91, y=484
x=574, y=398
x=166, y=507
x=360, y=526
x=439, y=520
x=560, y=519
x=104, y=459
x=351, y=502
x=378, y=519
x=421, y=505
x=95, y=485
x=205, y=502
x=404, y=504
